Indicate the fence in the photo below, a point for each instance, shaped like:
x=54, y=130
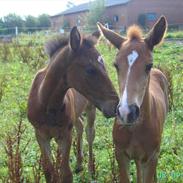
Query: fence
x=8, y=34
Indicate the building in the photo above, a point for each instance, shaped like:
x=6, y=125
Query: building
x=122, y=13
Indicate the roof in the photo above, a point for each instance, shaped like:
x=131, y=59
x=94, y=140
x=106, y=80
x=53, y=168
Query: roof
x=86, y=6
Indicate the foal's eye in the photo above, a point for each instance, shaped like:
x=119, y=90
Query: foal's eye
x=116, y=66
x=148, y=67
x=90, y=70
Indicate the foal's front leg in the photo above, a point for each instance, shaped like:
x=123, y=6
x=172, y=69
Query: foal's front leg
x=123, y=164
x=149, y=170
x=44, y=144
x=64, y=145
x=139, y=171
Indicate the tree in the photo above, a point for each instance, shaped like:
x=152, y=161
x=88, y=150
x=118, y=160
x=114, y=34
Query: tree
x=95, y=13
x=44, y=21
x=1, y=26
x=11, y=21
x=30, y=23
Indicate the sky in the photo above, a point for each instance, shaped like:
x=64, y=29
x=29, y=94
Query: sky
x=34, y=7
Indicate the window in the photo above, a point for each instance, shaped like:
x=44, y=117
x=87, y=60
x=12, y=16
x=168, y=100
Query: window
x=115, y=18
x=151, y=16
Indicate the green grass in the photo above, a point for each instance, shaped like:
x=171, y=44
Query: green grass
x=16, y=74
x=175, y=34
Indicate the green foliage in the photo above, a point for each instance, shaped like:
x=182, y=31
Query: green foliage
x=175, y=34
x=31, y=21
x=30, y=24
x=44, y=20
x=12, y=20
x=16, y=74
x=95, y=13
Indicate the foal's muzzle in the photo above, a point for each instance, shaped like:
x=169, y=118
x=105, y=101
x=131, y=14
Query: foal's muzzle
x=133, y=114
x=129, y=117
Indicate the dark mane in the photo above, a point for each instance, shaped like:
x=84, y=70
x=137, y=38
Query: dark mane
x=53, y=45
x=89, y=42
x=56, y=43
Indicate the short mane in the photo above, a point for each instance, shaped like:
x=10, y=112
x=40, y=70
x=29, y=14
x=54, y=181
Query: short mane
x=134, y=32
x=54, y=44
x=89, y=42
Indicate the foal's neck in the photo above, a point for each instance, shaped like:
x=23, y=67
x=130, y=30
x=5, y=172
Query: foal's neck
x=53, y=87
x=145, y=107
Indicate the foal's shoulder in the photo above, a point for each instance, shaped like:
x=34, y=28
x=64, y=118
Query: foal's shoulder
x=159, y=77
x=157, y=74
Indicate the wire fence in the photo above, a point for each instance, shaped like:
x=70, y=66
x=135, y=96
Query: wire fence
x=9, y=34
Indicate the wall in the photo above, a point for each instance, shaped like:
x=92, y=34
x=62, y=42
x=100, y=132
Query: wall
x=128, y=14
x=172, y=9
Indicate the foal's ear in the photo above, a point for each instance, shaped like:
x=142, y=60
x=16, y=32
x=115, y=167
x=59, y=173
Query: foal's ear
x=112, y=36
x=95, y=37
x=75, y=39
x=96, y=34
x=156, y=34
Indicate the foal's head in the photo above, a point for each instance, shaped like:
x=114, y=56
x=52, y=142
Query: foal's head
x=85, y=71
x=133, y=63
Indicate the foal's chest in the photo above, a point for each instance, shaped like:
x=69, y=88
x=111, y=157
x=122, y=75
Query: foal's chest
x=135, y=143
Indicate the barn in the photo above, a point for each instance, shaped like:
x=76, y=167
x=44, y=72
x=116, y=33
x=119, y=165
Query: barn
x=122, y=13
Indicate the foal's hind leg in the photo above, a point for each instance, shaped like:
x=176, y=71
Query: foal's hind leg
x=79, y=129
x=90, y=134
x=44, y=144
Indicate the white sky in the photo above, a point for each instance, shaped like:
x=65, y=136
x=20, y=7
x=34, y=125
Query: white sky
x=34, y=7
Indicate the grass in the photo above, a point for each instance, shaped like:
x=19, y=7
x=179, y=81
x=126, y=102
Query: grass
x=175, y=34
x=18, y=67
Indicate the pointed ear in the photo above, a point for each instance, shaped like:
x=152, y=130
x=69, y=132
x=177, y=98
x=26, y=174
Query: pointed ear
x=156, y=34
x=112, y=36
x=75, y=39
x=94, y=37
x=96, y=34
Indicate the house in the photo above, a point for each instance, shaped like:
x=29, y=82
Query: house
x=122, y=13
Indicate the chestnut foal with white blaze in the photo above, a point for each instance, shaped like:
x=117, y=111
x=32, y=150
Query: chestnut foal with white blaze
x=53, y=107
x=143, y=103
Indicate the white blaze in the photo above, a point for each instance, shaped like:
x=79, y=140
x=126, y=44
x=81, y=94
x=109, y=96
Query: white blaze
x=123, y=109
x=132, y=58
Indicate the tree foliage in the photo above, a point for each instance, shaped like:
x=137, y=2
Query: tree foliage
x=44, y=20
x=30, y=21
x=95, y=13
x=27, y=24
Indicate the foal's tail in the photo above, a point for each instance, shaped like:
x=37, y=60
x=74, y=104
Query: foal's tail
x=168, y=75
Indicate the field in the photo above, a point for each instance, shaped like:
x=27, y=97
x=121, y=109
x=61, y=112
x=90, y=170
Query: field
x=19, y=161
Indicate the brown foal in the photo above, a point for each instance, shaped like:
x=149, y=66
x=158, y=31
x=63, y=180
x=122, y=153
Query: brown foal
x=53, y=107
x=143, y=102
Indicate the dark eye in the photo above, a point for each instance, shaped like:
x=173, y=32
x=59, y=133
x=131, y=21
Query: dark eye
x=91, y=70
x=148, y=68
x=116, y=66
